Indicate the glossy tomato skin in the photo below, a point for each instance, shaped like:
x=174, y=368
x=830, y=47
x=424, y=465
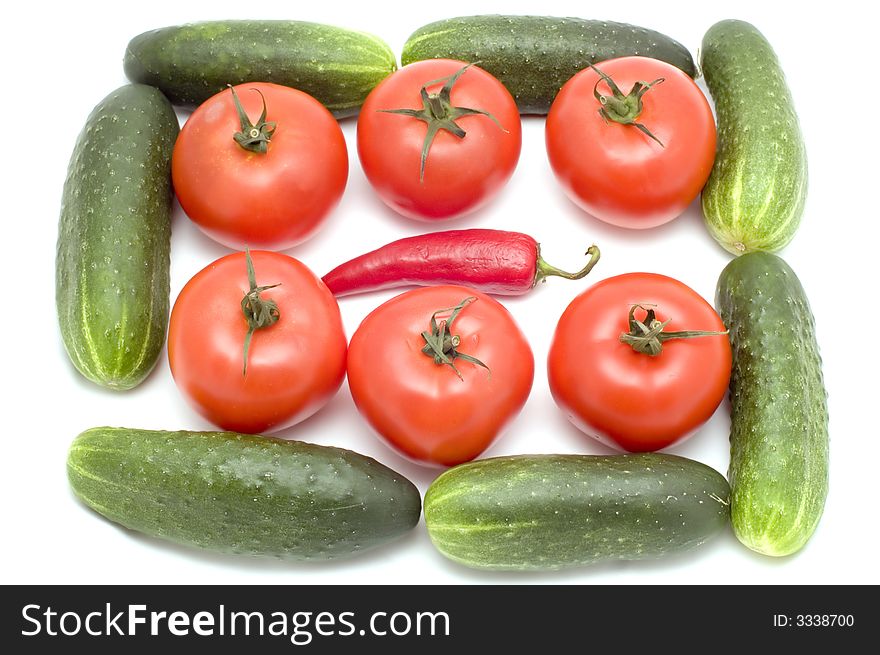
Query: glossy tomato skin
x=616, y=172
x=629, y=400
x=461, y=175
x=294, y=366
x=423, y=409
x=273, y=200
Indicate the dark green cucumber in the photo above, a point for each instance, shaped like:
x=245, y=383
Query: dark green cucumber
x=534, y=56
x=756, y=192
x=190, y=63
x=113, y=252
x=779, y=414
x=531, y=512
x=244, y=494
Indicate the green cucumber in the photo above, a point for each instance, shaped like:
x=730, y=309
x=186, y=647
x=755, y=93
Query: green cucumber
x=779, y=413
x=242, y=494
x=191, y=63
x=530, y=512
x=756, y=192
x=113, y=251
x=534, y=56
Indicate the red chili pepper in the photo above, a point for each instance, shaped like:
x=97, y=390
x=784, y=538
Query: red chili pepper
x=492, y=261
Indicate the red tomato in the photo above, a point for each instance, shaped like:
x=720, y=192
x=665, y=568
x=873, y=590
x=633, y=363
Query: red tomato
x=294, y=366
x=629, y=399
x=423, y=408
x=274, y=199
x=618, y=173
x=460, y=174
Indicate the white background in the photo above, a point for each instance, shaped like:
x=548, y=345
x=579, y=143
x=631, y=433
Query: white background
x=56, y=71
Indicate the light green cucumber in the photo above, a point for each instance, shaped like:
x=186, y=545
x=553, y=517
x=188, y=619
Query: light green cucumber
x=755, y=195
x=242, y=494
x=113, y=250
x=532, y=512
x=190, y=63
x=779, y=414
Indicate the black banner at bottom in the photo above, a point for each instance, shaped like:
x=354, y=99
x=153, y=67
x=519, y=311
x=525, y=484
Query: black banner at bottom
x=335, y=619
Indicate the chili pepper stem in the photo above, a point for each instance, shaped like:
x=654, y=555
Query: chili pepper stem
x=543, y=270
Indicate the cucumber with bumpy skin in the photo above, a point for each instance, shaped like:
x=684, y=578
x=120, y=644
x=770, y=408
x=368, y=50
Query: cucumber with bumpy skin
x=534, y=56
x=757, y=189
x=779, y=414
x=113, y=252
x=190, y=63
x=529, y=512
x=242, y=493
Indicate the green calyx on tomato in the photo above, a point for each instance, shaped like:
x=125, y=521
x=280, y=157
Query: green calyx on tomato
x=440, y=114
x=259, y=312
x=253, y=137
x=441, y=344
x=620, y=108
x=647, y=336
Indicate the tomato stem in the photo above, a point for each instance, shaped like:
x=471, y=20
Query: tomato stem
x=543, y=270
x=258, y=312
x=252, y=137
x=440, y=114
x=441, y=344
x=647, y=336
x=620, y=108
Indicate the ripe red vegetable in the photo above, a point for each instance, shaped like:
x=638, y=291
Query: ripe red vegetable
x=256, y=342
x=636, y=160
x=440, y=372
x=624, y=367
x=491, y=261
x=265, y=184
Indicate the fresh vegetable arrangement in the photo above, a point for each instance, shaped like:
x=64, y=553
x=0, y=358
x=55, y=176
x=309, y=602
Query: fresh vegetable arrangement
x=256, y=342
